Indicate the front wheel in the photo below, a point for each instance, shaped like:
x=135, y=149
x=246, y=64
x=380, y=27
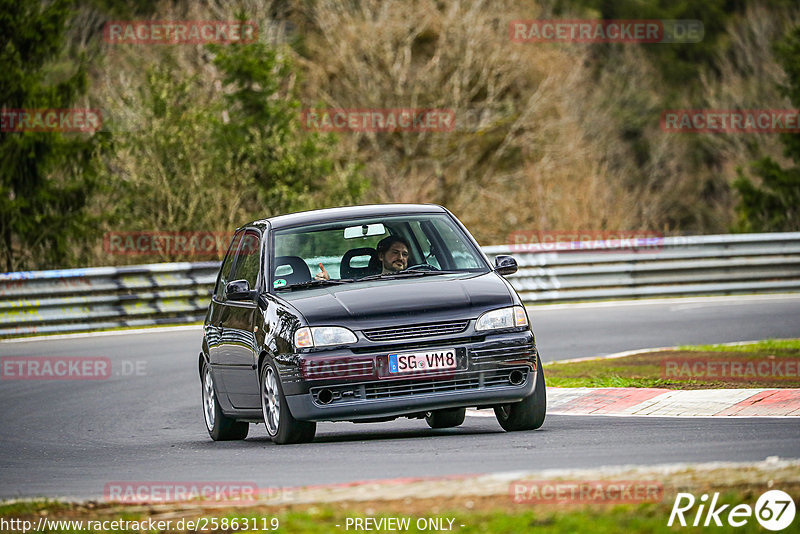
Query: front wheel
x=219, y=426
x=529, y=413
x=281, y=426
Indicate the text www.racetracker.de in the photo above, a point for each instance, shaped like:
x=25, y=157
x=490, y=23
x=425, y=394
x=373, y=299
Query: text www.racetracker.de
x=46, y=524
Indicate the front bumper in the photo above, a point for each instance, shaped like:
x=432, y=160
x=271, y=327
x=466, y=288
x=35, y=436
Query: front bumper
x=499, y=369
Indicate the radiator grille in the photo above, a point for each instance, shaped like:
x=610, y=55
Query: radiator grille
x=415, y=331
x=480, y=357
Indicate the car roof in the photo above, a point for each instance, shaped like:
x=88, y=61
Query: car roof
x=346, y=212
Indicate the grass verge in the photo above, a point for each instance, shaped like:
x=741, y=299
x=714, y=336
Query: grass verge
x=764, y=364
x=549, y=518
x=417, y=517
x=478, y=504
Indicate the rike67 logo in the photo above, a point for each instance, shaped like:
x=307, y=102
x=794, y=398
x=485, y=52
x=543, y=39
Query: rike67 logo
x=774, y=510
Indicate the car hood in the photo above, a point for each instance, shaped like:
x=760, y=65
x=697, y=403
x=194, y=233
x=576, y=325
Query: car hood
x=411, y=300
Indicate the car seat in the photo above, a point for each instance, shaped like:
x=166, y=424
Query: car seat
x=347, y=270
x=300, y=271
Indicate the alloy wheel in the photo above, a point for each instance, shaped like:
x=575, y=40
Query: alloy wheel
x=270, y=402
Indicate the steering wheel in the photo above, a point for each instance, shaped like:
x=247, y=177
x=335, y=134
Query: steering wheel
x=423, y=267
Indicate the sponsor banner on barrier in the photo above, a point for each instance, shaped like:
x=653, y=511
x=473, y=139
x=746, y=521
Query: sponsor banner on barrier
x=606, y=31
x=155, y=32
x=585, y=491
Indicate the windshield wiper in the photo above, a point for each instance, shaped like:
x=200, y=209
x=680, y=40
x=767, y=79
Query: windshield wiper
x=404, y=274
x=315, y=283
x=429, y=271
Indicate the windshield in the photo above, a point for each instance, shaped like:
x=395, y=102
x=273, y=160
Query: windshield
x=371, y=248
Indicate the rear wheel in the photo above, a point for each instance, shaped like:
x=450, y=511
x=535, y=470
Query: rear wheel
x=281, y=426
x=446, y=418
x=529, y=413
x=219, y=426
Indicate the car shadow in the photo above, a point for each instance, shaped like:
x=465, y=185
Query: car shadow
x=371, y=436
x=390, y=434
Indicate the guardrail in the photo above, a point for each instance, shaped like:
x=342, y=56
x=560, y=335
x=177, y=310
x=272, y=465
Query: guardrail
x=70, y=300
x=105, y=297
x=671, y=266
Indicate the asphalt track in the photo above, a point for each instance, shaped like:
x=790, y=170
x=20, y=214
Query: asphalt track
x=144, y=423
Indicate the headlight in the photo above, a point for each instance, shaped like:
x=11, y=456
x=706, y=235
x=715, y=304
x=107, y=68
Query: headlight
x=322, y=336
x=512, y=317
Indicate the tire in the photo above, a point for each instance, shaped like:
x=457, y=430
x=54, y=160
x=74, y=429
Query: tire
x=282, y=428
x=447, y=418
x=219, y=426
x=529, y=413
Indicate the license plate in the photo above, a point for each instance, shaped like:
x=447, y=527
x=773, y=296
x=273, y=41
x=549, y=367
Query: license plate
x=422, y=361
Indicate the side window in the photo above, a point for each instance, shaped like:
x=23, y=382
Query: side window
x=225, y=270
x=247, y=263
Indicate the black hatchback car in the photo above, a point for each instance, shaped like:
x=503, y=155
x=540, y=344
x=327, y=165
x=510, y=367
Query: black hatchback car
x=363, y=314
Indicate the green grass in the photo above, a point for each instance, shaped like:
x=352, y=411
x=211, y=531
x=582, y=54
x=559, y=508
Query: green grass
x=647, y=369
x=27, y=508
x=758, y=346
x=503, y=517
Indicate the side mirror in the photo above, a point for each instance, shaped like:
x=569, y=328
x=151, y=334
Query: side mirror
x=505, y=265
x=238, y=290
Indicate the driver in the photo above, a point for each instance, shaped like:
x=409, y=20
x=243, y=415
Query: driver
x=392, y=255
